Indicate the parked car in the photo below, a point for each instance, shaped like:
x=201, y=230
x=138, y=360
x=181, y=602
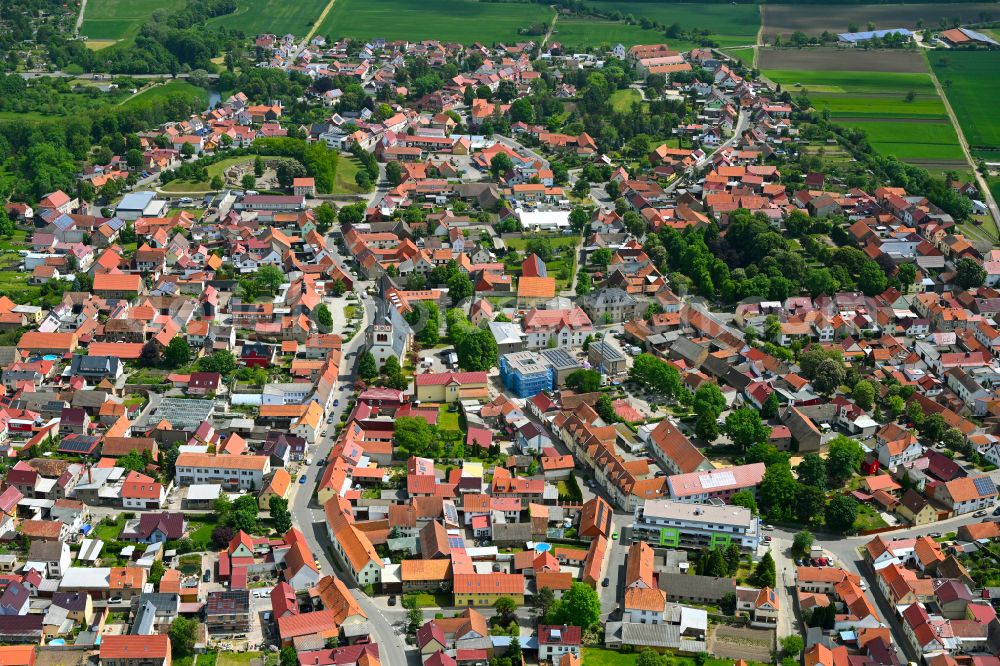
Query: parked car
x=208, y=575
x=979, y=514
x=769, y=528
x=996, y=511
x=935, y=535
x=336, y=403
x=814, y=561
x=392, y=599
x=302, y=479
x=606, y=582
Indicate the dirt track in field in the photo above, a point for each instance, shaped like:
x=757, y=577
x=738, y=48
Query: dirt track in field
x=842, y=60
x=814, y=19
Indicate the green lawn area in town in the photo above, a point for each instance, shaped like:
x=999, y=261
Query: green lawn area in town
x=276, y=16
x=556, y=240
x=868, y=519
x=344, y=183
x=121, y=19
x=961, y=74
x=622, y=100
x=464, y=21
x=215, y=169
x=164, y=90
x=602, y=657
x=110, y=532
x=200, y=531
x=430, y=600
x=234, y=658
x=15, y=285
x=448, y=420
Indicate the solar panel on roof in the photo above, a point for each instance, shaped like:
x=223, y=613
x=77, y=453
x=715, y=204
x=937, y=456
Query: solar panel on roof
x=76, y=445
x=984, y=485
x=717, y=479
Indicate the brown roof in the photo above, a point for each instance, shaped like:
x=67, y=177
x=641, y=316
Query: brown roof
x=497, y=583
x=135, y=648
x=676, y=447
x=338, y=598
x=425, y=570
x=646, y=599
x=639, y=565
x=117, y=282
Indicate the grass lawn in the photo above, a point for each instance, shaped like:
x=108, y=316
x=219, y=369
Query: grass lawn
x=557, y=241
x=15, y=285
x=601, y=657
x=110, y=532
x=344, y=183
x=213, y=170
x=868, y=519
x=973, y=103
x=235, y=658
x=448, y=420
x=200, y=531
x=278, y=16
x=464, y=21
x=429, y=600
x=121, y=19
x=159, y=92
x=622, y=100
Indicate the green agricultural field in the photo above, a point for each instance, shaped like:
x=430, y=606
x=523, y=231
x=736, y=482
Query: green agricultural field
x=464, y=21
x=890, y=105
x=854, y=82
x=274, y=16
x=974, y=103
x=121, y=19
x=729, y=25
x=580, y=34
x=167, y=89
x=916, y=131
x=743, y=54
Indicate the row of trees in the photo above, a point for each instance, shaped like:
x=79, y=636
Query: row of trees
x=803, y=496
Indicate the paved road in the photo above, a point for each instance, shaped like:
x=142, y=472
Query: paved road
x=845, y=550
x=310, y=518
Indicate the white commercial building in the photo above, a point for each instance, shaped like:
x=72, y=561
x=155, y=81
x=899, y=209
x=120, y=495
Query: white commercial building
x=674, y=524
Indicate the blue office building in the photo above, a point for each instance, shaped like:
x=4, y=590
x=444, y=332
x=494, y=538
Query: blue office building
x=526, y=374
